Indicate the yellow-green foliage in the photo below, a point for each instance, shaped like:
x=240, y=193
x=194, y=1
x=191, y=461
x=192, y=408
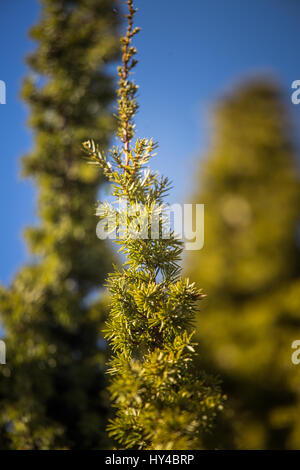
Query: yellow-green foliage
x=249, y=267
x=161, y=400
x=51, y=387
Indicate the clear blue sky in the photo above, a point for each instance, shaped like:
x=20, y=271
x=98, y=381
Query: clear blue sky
x=191, y=52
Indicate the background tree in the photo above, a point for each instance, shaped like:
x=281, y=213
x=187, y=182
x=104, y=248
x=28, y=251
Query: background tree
x=51, y=388
x=161, y=401
x=249, y=267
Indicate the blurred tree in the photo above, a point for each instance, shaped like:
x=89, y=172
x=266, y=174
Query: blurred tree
x=51, y=387
x=161, y=401
x=249, y=267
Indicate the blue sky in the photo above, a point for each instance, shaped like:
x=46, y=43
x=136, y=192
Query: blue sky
x=190, y=54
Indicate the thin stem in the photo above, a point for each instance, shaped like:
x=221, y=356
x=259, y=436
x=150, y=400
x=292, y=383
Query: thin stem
x=125, y=61
x=127, y=89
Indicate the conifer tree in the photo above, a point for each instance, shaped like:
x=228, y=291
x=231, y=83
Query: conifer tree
x=52, y=385
x=249, y=267
x=161, y=400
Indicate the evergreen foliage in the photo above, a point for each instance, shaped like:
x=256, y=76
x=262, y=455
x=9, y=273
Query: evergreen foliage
x=161, y=400
x=51, y=388
x=249, y=267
